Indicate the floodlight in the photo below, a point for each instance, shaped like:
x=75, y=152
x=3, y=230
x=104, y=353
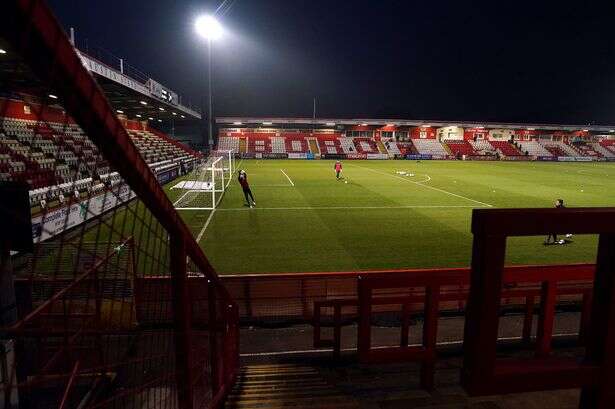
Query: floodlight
x=208, y=27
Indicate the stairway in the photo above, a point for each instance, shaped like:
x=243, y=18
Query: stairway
x=382, y=148
x=243, y=145
x=285, y=386
x=314, y=147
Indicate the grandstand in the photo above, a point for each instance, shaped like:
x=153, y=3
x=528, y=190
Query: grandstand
x=383, y=140
x=365, y=293
x=59, y=161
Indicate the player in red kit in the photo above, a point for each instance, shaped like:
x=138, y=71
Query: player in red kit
x=243, y=181
x=338, y=169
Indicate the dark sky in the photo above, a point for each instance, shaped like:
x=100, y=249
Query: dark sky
x=459, y=60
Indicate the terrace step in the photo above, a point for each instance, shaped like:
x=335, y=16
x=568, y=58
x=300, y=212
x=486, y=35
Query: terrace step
x=285, y=386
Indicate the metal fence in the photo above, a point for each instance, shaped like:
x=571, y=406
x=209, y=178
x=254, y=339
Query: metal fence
x=99, y=222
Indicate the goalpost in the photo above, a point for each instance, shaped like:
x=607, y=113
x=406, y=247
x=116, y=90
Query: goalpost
x=210, y=180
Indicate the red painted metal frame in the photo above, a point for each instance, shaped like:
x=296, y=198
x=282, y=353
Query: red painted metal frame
x=579, y=274
x=426, y=353
x=32, y=30
x=482, y=372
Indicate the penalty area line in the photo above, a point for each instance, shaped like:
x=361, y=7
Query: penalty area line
x=291, y=182
x=426, y=186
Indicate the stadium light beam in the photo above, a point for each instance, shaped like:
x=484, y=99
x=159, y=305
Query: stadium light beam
x=2, y=51
x=142, y=102
x=53, y=96
x=210, y=29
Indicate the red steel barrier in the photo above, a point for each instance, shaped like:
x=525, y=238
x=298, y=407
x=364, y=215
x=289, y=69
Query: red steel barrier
x=482, y=372
x=192, y=365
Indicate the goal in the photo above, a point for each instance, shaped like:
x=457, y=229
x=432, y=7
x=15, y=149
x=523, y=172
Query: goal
x=206, y=185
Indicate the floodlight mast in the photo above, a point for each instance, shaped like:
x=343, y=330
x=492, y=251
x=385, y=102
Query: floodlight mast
x=209, y=29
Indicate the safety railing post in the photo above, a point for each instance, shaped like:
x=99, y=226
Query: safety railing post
x=213, y=336
x=600, y=342
x=182, y=322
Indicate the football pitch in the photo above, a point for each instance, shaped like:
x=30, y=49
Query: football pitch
x=306, y=220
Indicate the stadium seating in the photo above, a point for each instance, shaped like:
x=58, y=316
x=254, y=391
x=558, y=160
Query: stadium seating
x=278, y=144
x=407, y=148
x=58, y=161
x=429, y=147
x=586, y=149
x=534, y=148
x=505, y=148
x=392, y=148
x=258, y=142
x=483, y=148
x=348, y=145
x=608, y=145
x=296, y=143
x=155, y=148
x=558, y=148
x=228, y=143
x=365, y=145
x=459, y=148
x=329, y=144
x=602, y=150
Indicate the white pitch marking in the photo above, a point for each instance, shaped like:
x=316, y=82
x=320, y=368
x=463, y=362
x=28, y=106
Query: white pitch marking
x=180, y=198
x=348, y=207
x=291, y=182
x=202, y=232
x=427, y=186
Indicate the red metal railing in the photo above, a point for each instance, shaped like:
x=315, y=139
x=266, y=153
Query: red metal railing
x=80, y=325
x=482, y=372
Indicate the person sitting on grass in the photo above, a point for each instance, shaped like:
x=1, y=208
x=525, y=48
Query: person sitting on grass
x=243, y=181
x=338, y=169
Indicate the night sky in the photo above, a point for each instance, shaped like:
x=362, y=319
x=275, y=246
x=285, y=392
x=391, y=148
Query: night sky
x=456, y=60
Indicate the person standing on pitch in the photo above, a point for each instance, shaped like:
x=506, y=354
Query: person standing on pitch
x=559, y=204
x=338, y=169
x=243, y=181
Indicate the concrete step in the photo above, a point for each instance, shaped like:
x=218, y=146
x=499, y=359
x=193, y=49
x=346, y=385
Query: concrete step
x=285, y=386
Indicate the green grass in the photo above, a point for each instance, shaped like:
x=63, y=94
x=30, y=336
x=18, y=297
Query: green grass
x=379, y=220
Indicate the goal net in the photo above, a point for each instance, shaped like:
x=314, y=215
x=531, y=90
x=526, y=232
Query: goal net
x=206, y=185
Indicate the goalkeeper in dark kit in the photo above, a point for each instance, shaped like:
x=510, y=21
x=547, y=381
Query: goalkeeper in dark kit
x=243, y=181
